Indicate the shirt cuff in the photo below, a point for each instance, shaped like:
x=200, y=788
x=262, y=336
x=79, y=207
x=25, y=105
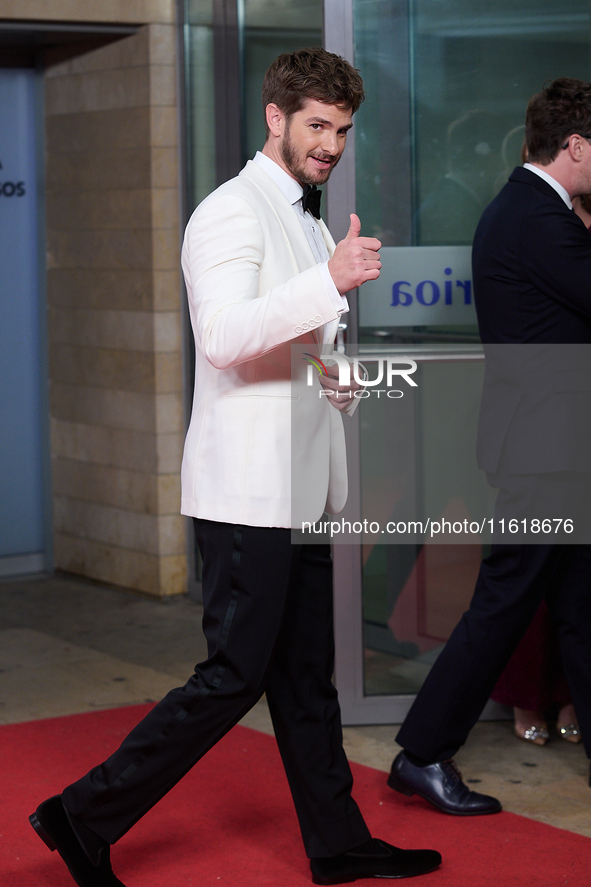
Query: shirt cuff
x=340, y=302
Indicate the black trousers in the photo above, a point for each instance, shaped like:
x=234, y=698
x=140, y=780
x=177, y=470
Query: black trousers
x=268, y=624
x=512, y=582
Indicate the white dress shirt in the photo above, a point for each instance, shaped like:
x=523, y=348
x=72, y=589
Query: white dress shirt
x=551, y=181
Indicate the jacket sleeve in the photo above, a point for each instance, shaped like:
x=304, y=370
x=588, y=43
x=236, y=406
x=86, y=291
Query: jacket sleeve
x=245, y=300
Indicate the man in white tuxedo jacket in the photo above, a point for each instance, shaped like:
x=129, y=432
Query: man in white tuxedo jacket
x=254, y=289
x=262, y=273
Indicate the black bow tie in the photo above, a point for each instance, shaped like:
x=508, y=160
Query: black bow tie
x=311, y=200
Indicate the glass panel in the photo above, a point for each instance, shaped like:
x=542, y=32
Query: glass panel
x=475, y=65
x=200, y=94
x=442, y=126
x=468, y=68
x=267, y=28
x=270, y=28
x=422, y=465
x=441, y=129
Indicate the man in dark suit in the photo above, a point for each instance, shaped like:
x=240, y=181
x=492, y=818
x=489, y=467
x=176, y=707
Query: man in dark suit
x=532, y=289
x=262, y=272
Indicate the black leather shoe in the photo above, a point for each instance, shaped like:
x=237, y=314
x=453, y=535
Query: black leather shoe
x=442, y=785
x=51, y=823
x=374, y=859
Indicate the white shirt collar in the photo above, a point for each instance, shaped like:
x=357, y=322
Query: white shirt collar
x=551, y=181
x=290, y=188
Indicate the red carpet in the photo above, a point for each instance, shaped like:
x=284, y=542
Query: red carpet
x=230, y=822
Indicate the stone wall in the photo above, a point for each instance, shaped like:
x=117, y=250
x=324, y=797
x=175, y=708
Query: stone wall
x=72, y=11
x=114, y=307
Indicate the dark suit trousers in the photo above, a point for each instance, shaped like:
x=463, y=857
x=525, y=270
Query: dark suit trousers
x=512, y=582
x=268, y=623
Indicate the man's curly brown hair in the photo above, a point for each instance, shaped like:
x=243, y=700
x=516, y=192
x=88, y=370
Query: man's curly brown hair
x=560, y=110
x=312, y=74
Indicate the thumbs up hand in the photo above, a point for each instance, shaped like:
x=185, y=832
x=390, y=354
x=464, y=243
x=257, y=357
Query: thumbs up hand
x=354, y=227
x=356, y=259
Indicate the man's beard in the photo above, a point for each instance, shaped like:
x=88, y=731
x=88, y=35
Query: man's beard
x=297, y=168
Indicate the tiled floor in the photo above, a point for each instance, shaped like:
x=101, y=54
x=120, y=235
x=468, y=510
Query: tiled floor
x=70, y=645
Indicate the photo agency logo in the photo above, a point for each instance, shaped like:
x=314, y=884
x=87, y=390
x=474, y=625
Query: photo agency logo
x=390, y=371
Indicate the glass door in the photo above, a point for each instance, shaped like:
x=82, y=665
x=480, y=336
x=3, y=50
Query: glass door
x=439, y=133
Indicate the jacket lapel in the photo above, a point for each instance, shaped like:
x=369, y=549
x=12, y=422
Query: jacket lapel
x=290, y=227
x=282, y=209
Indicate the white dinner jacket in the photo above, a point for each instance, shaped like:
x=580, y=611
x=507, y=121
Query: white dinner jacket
x=254, y=289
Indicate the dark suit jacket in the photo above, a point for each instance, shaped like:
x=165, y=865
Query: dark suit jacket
x=532, y=282
x=532, y=289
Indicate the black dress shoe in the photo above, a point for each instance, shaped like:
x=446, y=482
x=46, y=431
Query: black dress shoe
x=442, y=785
x=51, y=823
x=374, y=859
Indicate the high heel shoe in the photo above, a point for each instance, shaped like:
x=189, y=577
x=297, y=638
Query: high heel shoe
x=569, y=732
x=536, y=734
x=530, y=725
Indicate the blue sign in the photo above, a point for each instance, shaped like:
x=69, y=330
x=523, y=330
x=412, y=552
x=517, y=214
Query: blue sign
x=22, y=504
x=420, y=286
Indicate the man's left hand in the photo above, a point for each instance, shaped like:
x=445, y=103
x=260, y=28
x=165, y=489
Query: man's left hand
x=340, y=396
